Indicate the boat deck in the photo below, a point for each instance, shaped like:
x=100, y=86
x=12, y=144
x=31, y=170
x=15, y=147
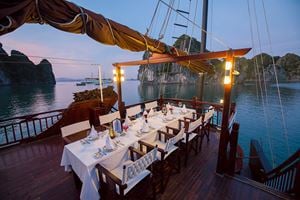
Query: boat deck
x=33, y=171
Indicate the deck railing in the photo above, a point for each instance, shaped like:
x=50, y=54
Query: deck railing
x=286, y=177
x=16, y=129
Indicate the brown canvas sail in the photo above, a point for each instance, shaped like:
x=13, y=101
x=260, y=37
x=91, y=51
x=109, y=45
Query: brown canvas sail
x=69, y=17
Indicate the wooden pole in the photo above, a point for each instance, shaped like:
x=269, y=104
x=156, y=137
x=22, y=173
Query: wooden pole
x=224, y=138
x=233, y=148
x=119, y=88
x=201, y=76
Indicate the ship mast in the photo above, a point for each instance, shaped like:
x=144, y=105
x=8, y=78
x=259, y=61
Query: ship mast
x=203, y=45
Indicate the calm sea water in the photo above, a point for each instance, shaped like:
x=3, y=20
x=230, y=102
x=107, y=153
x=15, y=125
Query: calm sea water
x=23, y=100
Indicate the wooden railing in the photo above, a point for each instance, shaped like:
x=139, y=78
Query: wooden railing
x=14, y=130
x=286, y=177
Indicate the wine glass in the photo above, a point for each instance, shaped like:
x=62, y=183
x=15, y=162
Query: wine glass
x=180, y=104
x=125, y=127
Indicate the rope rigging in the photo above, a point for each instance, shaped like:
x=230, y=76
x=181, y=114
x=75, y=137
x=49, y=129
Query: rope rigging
x=276, y=79
x=260, y=83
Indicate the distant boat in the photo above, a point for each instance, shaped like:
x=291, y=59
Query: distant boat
x=81, y=84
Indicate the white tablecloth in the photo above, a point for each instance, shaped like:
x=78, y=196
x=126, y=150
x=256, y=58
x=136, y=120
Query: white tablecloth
x=79, y=157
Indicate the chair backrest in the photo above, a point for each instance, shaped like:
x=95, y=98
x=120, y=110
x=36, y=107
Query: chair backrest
x=132, y=170
x=75, y=128
x=172, y=141
x=209, y=115
x=108, y=118
x=151, y=105
x=195, y=124
x=133, y=110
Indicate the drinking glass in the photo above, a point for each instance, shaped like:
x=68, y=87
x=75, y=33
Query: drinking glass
x=125, y=127
x=180, y=104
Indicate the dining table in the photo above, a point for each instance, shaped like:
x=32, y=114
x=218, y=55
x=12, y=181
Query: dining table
x=82, y=153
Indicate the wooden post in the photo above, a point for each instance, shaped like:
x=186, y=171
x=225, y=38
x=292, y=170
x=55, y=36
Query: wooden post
x=224, y=138
x=121, y=104
x=203, y=46
x=233, y=148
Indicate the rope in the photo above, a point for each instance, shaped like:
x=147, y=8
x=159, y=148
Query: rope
x=166, y=21
x=3, y=27
x=193, y=27
x=198, y=26
x=261, y=57
x=261, y=90
x=153, y=17
x=276, y=79
x=111, y=31
x=211, y=23
x=82, y=15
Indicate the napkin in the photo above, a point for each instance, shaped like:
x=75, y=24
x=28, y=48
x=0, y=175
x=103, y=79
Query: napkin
x=145, y=113
x=184, y=109
x=93, y=133
x=168, y=106
x=109, y=143
x=117, y=126
x=145, y=127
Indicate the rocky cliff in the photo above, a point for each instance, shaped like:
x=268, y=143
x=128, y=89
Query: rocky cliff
x=19, y=69
x=287, y=68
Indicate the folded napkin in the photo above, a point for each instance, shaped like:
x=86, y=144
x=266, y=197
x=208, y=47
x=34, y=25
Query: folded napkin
x=117, y=127
x=145, y=113
x=151, y=112
x=93, y=133
x=184, y=109
x=109, y=143
x=168, y=106
x=145, y=127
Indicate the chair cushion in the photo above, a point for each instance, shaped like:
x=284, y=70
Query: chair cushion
x=191, y=136
x=118, y=172
x=162, y=145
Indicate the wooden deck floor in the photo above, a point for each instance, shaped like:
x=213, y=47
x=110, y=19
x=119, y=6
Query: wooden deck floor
x=33, y=171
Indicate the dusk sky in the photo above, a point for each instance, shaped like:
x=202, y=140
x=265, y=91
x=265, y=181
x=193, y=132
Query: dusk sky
x=228, y=21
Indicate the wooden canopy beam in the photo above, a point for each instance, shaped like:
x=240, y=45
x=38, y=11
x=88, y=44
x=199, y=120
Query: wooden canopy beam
x=165, y=58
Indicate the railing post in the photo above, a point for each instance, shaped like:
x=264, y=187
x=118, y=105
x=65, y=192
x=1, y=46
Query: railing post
x=297, y=182
x=161, y=101
x=194, y=103
x=233, y=148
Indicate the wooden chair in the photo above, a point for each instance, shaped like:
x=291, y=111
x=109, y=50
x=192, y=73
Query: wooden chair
x=205, y=129
x=167, y=145
x=193, y=128
x=133, y=112
x=151, y=105
x=77, y=128
x=108, y=118
x=127, y=175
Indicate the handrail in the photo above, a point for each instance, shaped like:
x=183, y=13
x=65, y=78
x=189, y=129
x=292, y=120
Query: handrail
x=285, y=164
x=286, y=177
x=32, y=115
x=16, y=129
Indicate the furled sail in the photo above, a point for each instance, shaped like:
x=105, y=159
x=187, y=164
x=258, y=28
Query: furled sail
x=69, y=17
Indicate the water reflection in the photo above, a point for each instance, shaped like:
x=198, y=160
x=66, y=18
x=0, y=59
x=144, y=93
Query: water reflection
x=25, y=99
